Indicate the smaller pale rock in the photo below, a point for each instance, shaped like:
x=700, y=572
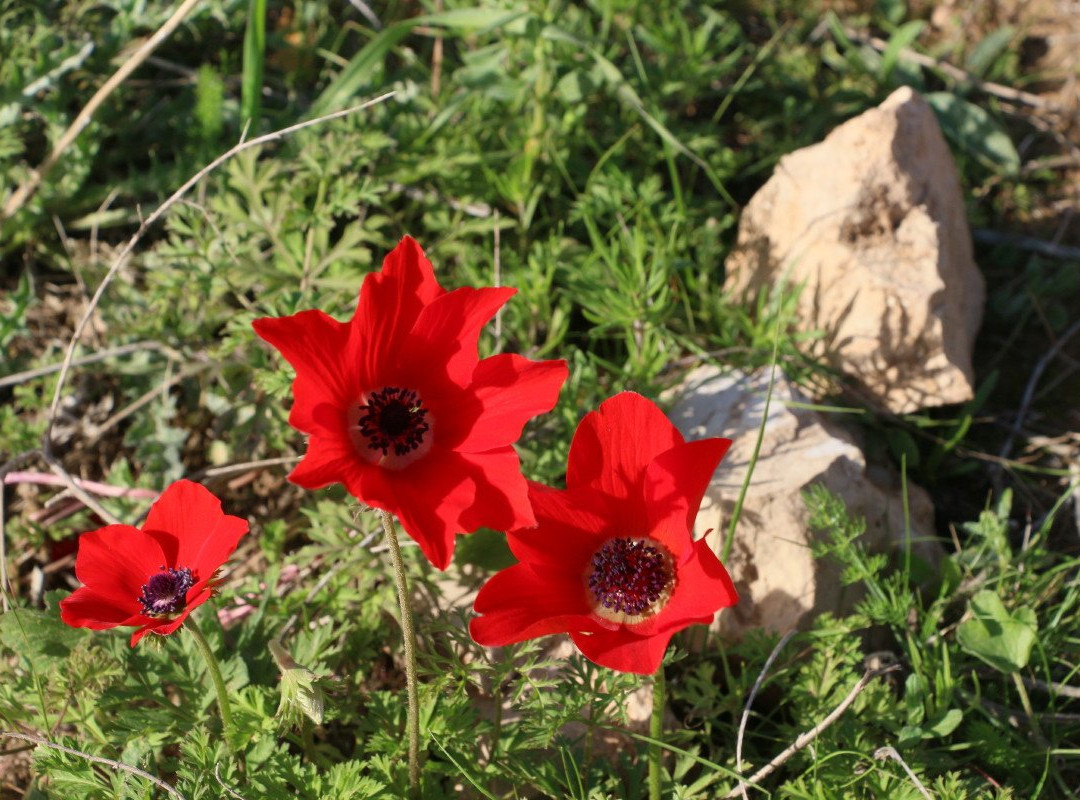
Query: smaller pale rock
x=870, y=222
x=781, y=585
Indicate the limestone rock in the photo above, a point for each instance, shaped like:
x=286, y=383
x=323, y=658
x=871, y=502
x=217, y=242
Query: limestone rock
x=781, y=585
x=871, y=222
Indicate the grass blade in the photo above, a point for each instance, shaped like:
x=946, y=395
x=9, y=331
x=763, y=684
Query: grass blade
x=254, y=58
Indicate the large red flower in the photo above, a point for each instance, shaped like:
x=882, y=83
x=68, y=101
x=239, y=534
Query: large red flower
x=151, y=578
x=399, y=407
x=613, y=561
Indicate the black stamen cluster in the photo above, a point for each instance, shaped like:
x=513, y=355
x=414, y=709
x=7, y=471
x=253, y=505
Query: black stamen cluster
x=166, y=592
x=393, y=417
x=628, y=576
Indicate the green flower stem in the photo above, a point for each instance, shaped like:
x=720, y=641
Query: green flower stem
x=412, y=721
x=215, y=676
x=656, y=732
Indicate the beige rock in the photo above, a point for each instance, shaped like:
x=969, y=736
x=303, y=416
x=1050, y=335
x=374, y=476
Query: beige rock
x=871, y=222
x=781, y=585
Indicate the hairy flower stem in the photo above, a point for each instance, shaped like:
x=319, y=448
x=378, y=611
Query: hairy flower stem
x=656, y=732
x=215, y=676
x=409, y=636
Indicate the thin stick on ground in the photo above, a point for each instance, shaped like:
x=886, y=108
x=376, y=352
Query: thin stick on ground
x=101, y=489
x=957, y=74
x=174, y=198
x=241, y=466
x=27, y=189
x=750, y=701
x=228, y=789
x=1032, y=244
x=10, y=466
x=69, y=480
x=806, y=738
x=890, y=752
x=92, y=358
x=108, y=762
x=1033, y=381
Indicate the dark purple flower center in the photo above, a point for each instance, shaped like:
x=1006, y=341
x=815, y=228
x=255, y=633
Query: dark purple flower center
x=393, y=418
x=629, y=576
x=166, y=592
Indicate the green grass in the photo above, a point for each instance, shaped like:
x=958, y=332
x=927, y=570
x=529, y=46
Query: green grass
x=611, y=144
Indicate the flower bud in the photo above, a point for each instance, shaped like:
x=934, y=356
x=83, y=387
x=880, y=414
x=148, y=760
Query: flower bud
x=301, y=694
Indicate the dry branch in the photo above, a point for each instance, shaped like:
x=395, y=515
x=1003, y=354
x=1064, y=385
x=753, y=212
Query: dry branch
x=750, y=701
x=27, y=189
x=116, y=765
x=806, y=738
x=122, y=257
x=957, y=74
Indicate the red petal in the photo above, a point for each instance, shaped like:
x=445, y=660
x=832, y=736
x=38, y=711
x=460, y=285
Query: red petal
x=675, y=482
x=518, y=604
x=511, y=390
x=390, y=302
x=205, y=536
x=442, y=344
x=84, y=608
x=703, y=587
x=332, y=460
x=319, y=349
x=165, y=626
x=328, y=460
x=614, y=445
x=446, y=493
x=571, y=527
x=116, y=561
x=623, y=651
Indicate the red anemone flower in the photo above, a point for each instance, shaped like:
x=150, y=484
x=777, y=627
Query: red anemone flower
x=401, y=410
x=152, y=578
x=613, y=561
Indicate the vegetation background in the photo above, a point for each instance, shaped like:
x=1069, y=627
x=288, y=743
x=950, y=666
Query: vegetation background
x=595, y=155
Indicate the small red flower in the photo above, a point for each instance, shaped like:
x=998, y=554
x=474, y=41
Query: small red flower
x=613, y=561
x=400, y=409
x=151, y=578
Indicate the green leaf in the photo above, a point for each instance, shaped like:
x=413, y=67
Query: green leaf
x=606, y=72
x=367, y=65
x=472, y=20
x=904, y=36
x=948, y=723
x=1001, y=639
x=975, y=132
x=40, y=636
x=987, y=51
x=209, y=96
x=892, y=10
x=360, y=72
x=13, y=309
x=254, y=58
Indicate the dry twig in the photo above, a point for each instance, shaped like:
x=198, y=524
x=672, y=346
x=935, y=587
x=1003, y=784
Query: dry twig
x=122, y=257
x=890, y=752
x=957, y=74
x=750, y=701
x=806, y=738
x=1029, y=243
x=228, y=789
x=100, y=489
x=108, y=762
x=27, y=189
x=1033, y=380
x=92, y=358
